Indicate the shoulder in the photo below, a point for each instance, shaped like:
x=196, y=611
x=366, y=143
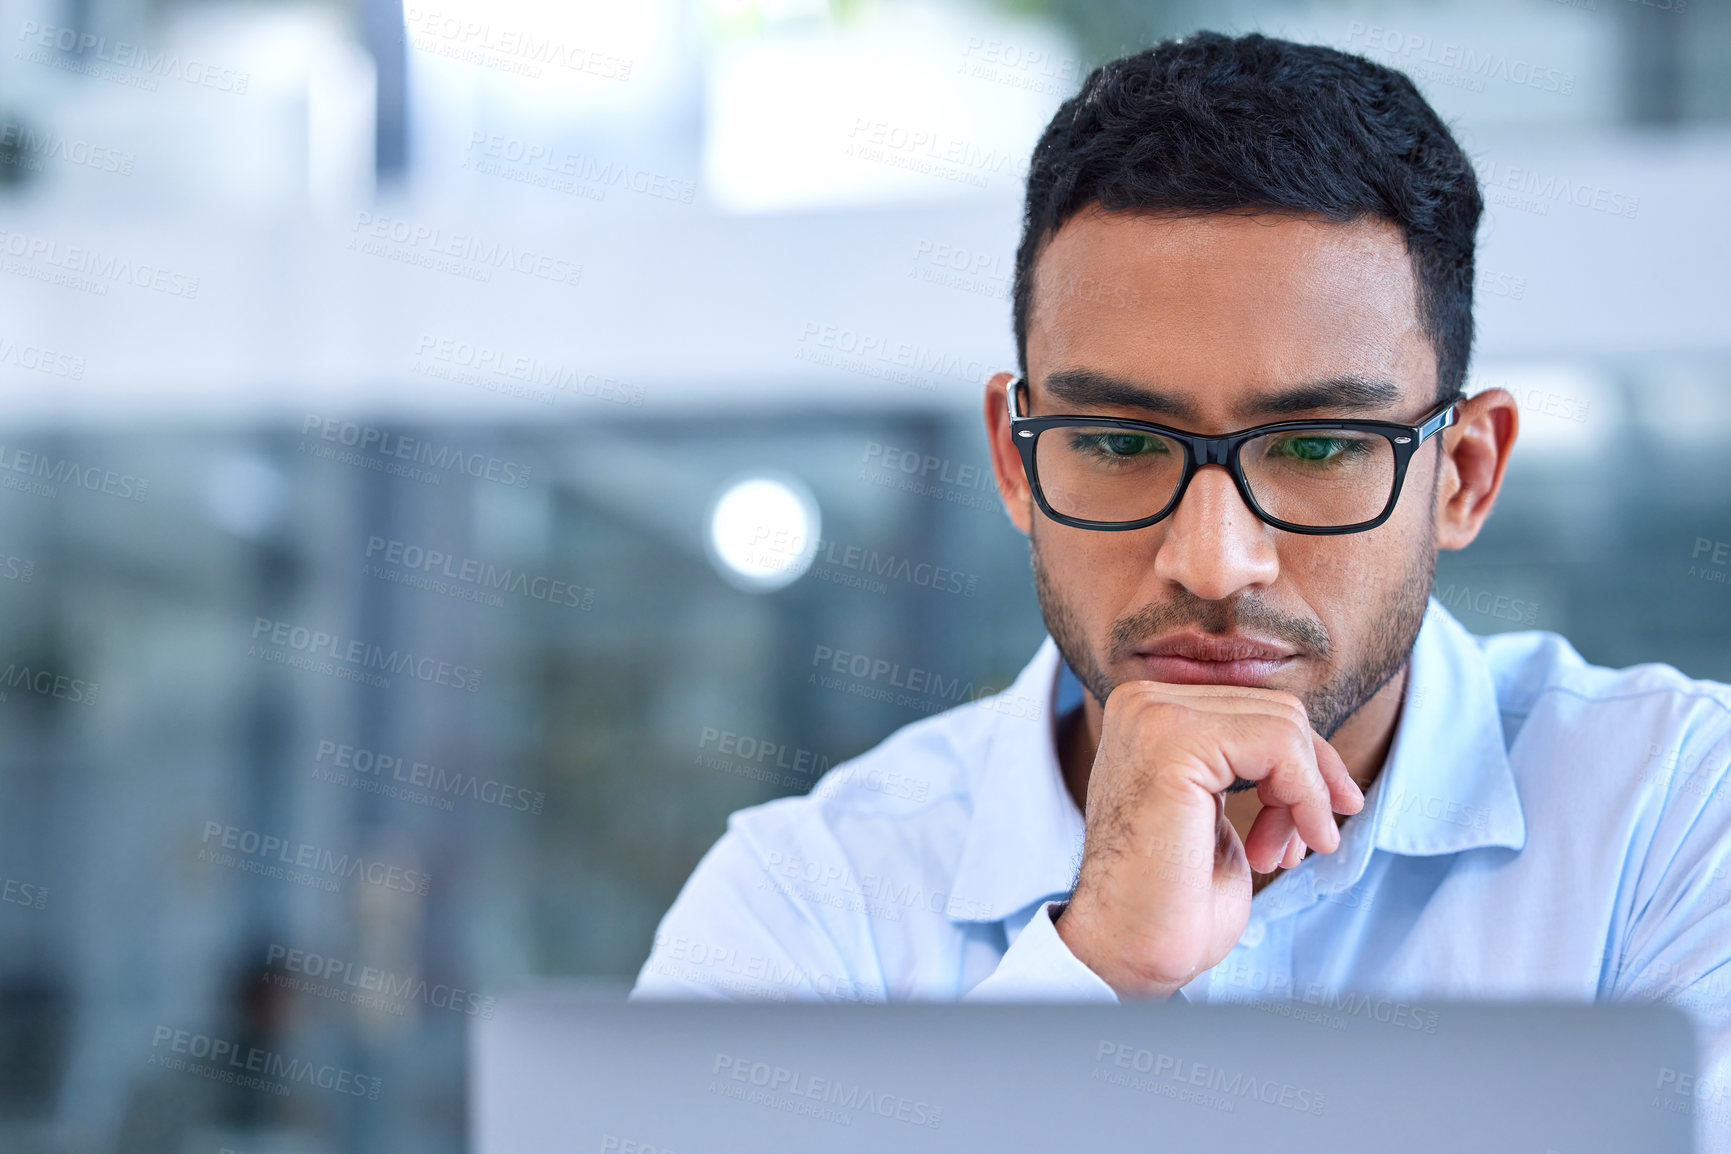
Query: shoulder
x=912, y=789
x=1645, y=733
x=1541, y=672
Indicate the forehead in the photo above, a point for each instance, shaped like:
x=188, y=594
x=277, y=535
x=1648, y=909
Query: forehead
x=1222, y=307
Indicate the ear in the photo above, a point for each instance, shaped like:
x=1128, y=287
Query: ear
x=1006, y=461
x=1475, y=453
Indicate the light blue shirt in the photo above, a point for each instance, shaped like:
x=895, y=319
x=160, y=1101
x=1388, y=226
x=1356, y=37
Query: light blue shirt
x=1542, y=828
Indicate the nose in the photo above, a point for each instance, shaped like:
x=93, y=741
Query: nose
x=1214, y=546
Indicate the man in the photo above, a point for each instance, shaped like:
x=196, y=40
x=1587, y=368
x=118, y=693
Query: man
x=1254, y=760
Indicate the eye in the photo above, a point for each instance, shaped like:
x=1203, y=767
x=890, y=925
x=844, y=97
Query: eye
x=1117, y=446
x=1316, y=448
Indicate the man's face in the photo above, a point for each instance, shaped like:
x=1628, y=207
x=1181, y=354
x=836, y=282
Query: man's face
x=1219, y=315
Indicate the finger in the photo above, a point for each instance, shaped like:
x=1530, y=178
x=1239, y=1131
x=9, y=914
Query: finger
x=1295, y=851
x=1271, y=833
x=1266, y=739
x=1289, y=776
x=1343, y=792
x=1224, y=695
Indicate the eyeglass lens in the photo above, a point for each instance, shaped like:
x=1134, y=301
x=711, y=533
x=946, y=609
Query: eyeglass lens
x=1320, y=478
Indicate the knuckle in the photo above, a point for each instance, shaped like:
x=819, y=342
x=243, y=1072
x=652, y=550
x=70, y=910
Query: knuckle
x=1293, y=705
x=1144, y=702
x=1124, y=696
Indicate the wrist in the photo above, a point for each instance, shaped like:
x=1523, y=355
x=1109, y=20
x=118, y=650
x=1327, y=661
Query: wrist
x=1093, y=950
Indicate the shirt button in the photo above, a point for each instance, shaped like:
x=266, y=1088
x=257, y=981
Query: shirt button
x=1253, y=934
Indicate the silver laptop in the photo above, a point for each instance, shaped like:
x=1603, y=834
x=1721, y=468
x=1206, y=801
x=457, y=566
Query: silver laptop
x=577, y=1072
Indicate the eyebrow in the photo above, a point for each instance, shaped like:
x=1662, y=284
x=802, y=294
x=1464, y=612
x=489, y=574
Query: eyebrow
x=1081, y=386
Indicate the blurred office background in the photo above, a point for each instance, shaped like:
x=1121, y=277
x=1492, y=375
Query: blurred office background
x=383, y=386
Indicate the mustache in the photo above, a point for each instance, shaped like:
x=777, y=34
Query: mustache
x=1216, y=618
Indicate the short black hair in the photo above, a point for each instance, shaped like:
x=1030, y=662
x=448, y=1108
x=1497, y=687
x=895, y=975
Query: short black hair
x=1213, y=123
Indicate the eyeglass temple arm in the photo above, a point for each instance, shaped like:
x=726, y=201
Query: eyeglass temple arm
x=1442, y=419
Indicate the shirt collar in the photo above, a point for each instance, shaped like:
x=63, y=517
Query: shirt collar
x=1446, y=786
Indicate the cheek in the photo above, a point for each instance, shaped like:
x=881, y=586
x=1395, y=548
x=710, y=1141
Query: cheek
x=1093, y=568
x=1341, y=578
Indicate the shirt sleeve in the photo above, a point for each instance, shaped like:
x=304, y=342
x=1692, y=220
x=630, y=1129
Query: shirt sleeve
x=1039, y=967
x=1677, y=947
x=734, y=934
x=762, y=918
x=738, y=931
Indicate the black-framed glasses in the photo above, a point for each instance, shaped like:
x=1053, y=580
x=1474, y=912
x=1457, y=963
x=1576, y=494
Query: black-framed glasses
x=1310, y=476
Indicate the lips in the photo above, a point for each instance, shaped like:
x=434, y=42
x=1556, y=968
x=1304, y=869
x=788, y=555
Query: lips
x=1204, y=647
x=1200, y=659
